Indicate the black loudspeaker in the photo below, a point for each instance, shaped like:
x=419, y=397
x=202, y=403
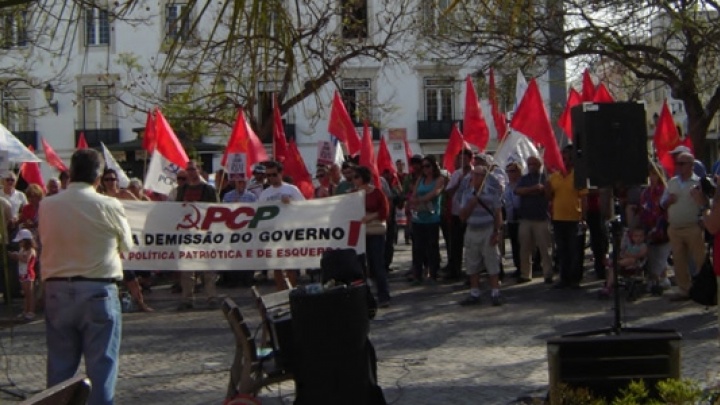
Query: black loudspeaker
x=610, y=144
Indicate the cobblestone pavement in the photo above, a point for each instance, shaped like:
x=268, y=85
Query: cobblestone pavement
x=430, y=350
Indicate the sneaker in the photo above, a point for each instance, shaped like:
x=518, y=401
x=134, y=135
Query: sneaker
x=665, y=283
x=523, y=280
x=470, y=300
x=604, y=292
x=383, y=304
x=497, y=300
x=548, y=280
x=29, y=316
x=185, y=306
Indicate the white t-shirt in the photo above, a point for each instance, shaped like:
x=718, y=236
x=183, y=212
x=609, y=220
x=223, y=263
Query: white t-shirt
x=17, y=199
x=277, y=193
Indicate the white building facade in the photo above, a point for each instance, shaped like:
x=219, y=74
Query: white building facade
x=98, y=75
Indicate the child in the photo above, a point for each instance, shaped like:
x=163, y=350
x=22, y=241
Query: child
x=632, y=256
x=26, y=270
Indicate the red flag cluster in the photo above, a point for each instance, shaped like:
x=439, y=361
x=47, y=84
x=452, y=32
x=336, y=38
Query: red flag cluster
x=498, y=117
x=341, y=126
x=666, y=138
x=474, y=126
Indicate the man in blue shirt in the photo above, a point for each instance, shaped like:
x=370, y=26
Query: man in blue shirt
x=240, y=194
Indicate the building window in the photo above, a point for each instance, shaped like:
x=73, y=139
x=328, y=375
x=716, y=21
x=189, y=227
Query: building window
x=266, y=90
x=15, y=113
x=177, y=21
x=97, y=108
x=357, y=95
x=97, y=27
x=439, y=99
x=354, y=19
x=14, y=29
x=437, y=18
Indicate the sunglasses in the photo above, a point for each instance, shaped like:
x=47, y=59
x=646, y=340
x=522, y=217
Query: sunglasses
x=10, y=180
x=513, y=171
x=426, y=166
x=683, y=163
x=272, y=174
x=182, y=178
x=110, y=179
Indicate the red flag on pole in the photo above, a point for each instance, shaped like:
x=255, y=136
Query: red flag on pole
x=498, y=117
x=367, y=154
x=565, y=120
x=30, y=172
x=531, y=119
x=279, y=139
x=602, y=95
x=243, y=140
x=474, y=126
x=167, y=143
x=408, y=150
x=455, y=144
x=149, y=140
x=82, y=143
x=384, y=160
x=341, y=126
x=666, y=138
x=294, y=166
x=588, y=87
x=51, y=157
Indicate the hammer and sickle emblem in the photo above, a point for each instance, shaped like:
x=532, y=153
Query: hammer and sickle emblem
x=191, y=220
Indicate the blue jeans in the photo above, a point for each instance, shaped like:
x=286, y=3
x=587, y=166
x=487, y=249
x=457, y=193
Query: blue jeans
x=375, y=252
x=83, y=318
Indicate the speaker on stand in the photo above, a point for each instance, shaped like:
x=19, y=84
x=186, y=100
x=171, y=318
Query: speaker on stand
x=611, y=150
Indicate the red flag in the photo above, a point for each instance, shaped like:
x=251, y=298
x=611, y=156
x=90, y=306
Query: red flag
x=474, y=126
x=82, y=143
x=167, y=143
x=602, y=95
x=367, y=154
x=531, y=119
x=341, y=126
x=588, y=87
x=279, y=139
x=565, y=120
x=498, y=117
x=665, y=139
x=384, y=160
x=243, y=140
x=149, y=140
x=408, y=151
x=51, y=157
x=455, y=144
x=30, y=172
x=296, y=169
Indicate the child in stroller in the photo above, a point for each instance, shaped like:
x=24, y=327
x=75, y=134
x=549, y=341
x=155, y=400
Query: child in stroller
x=631, y=262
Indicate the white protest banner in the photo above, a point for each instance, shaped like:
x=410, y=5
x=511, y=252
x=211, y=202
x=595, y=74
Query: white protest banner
x=161, y=175
x=325, y=153
x=236, y=163
x=213, y=236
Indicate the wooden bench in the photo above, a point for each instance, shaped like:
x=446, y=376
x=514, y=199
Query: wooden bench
x=74, y=391
x=270, y=304
x=249, y=372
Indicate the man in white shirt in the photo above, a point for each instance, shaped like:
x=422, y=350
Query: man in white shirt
x=82, y=233
x=17, y=198
x=284, y=192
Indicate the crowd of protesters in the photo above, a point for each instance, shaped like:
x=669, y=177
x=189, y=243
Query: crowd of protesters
x=545, y=217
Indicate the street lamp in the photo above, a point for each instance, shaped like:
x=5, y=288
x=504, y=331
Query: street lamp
x=49, y=92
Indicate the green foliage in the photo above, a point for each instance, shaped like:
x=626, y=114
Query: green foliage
x=670, y=392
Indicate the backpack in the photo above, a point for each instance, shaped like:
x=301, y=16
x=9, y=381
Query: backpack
x=704, y=285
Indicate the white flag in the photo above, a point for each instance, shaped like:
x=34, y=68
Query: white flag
x=161, y=176
x=516, y=148
x=520, y=87
x=110, y=162
x=339, y=157
x=16, y=151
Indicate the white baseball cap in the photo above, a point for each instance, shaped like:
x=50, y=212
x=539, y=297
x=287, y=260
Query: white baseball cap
x=22, y=235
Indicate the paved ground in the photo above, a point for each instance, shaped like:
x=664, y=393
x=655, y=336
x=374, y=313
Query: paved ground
x=430, y=350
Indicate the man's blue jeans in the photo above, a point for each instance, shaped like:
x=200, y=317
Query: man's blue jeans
x=83, y=318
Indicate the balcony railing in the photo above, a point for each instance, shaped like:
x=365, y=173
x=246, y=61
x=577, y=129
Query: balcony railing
x=436, y=129
x=28, y=138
